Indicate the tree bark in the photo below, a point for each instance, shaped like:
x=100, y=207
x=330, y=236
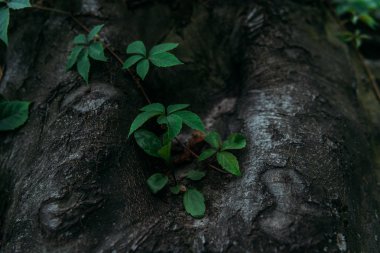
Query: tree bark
x=71, y=181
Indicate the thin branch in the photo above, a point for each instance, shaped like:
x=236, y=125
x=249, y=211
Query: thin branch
x=84, y=27
x=197, y=156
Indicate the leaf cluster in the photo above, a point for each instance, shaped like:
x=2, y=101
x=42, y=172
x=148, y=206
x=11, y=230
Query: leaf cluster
x=218, y=148
x=84, y=48
x=172, y=119
x=158, y=56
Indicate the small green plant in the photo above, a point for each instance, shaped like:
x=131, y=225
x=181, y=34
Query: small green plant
x=85, y=47
x=357, y=37
x=13, y=114
x=171, y=119
x=226, y=159
x=158, y=56
x=363, y=11
x=4, y=15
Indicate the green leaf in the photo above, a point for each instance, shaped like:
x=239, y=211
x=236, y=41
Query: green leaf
x=13, y=114
x=234, y=141
x=155, y=107
x=80, y=39
x=96, y=51
x=165, y=152
x=142, y=68
x=174, y=108
x=73, y=57
x=206, y=154
x=148, y=141
x=368, y=20
x=174, y=125
x=228, y=162
x=213, y=138
x=131, y=61
x=19, y=4
x=95, y=31
x=140, y=120
x=164, y=47
x=157, y=182
x=136, y=47
x=164, y=60
x=83, y=65
x=194, y=203
x=191, y=120
x=175, y=189
x=195, y=175
x=4, y=22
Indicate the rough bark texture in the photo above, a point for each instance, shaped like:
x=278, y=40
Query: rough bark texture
x=274, y=70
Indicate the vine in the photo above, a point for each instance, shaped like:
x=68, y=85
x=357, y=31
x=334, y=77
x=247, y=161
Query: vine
x=157, y=143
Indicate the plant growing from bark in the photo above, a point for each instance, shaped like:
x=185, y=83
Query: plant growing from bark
x=5, y=6
x=158, y=56
x=357, y=11
x=84, y=48
x=172, y=120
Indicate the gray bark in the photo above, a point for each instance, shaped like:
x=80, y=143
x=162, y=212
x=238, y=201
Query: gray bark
x=72, y=182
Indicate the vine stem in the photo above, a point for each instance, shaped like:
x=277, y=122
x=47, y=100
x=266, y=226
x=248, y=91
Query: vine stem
x=197, y=156
x=118, y=58
x=106, y=46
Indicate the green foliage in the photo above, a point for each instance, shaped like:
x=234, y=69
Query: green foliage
x=4, y=15
x=13, y=114
x=227, y=160
x=157, y=182
x=195, y=175
x=86, y=47
x=171, y=120
x=363, y=11
x=357, y=37
x=158, y=56
x=194, y=203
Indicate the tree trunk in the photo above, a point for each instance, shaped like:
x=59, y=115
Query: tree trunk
x=71, y=181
